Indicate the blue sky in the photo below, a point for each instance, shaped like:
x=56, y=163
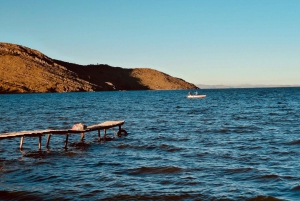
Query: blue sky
x=204, y=42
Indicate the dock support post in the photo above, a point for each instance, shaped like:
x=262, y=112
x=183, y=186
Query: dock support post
x=66, y=142
x=21, y=142
x=104, y=134
x=82, y=137
x=99, y=136
x=48, y=140
x=40, y=142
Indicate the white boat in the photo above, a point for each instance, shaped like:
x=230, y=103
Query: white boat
x=195, y=96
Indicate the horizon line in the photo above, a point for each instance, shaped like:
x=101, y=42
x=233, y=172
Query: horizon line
x=220, y=86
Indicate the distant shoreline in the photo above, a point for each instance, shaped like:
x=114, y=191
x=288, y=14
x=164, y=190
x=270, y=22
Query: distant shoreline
x=244, y=86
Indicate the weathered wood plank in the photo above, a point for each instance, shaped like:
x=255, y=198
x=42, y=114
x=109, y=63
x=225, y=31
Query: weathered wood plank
x=105, y=125
x=23, y=133
x=62, y=132
x=36, y=133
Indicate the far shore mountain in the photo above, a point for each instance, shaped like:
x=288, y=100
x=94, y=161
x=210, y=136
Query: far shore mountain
x=25, y=70
x=203, y=86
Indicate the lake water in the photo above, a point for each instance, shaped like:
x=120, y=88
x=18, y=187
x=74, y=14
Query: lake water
x=235, y=144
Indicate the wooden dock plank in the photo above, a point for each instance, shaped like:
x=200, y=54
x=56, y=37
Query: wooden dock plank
x=37, y=133
x=105, y=125
x=24, y=133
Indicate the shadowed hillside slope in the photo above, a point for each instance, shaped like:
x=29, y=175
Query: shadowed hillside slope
x=24, y=70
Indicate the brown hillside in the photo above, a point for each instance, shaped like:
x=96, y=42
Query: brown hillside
x=154, y=79
x=24, y=70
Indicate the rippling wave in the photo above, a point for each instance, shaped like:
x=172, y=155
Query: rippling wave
x=155, y=170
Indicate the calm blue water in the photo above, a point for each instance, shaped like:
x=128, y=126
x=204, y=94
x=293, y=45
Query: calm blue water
x=236, y=144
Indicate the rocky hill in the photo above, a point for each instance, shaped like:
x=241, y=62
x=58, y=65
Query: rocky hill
x=24, y=70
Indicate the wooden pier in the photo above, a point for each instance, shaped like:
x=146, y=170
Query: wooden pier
x=39, y=133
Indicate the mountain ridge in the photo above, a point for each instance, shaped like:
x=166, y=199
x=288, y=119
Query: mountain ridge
x=25, y=70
